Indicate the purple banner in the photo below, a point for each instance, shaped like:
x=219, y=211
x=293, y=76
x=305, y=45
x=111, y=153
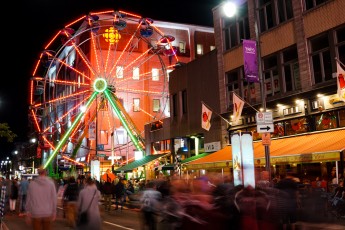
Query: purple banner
x=250, y=61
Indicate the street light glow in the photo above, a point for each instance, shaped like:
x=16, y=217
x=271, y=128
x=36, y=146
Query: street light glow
x=229, y=9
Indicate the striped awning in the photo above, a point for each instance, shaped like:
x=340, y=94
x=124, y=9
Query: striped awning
x=307, y=148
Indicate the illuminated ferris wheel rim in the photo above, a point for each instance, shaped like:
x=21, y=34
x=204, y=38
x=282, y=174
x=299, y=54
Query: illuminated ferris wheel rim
x=91, y=87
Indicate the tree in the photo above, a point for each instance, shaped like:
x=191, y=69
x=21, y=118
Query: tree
x=6, y=132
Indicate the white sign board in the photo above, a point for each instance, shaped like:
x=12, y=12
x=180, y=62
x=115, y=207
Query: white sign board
x=264, y=121
x=212, y=146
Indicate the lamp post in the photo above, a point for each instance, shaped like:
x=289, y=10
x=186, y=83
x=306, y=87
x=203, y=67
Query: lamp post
x=230, y=11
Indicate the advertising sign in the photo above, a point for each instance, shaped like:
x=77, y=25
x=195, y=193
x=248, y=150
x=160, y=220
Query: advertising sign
x=250, y=61
x=243, y=159
x=236, y=158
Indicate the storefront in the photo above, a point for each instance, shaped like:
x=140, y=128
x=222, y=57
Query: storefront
x=317, y=148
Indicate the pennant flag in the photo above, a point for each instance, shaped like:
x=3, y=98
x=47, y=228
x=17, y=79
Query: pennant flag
x=238, y=106
x=341, y=82
x=205, y=117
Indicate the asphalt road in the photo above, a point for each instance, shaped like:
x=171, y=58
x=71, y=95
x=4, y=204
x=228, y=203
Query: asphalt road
x=127, y=219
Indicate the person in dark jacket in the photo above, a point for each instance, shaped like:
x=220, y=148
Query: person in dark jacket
x=119, y=193
x=107, y=191
x=13, y=195
x=71, y=196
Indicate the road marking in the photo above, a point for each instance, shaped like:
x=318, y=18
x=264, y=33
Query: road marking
x=120, y=226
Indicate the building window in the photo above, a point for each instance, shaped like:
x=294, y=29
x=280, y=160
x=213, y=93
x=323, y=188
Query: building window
x=233, y=84
x=135, y=73
x=326, y=121
x=272, y=83
x=273, y=12
x=340, y=44
x=182, y=47
x=321, y=58
x=309, y=4
x=212, y=48
x=174, y=105
x=136, y=104
x=292, y=80
x=119, y=71
x=156, y=105
x=199, y=49
x=296, y=126
x=184, y=102
x=235, y=29
x=120, y=137
x=155, y=74
x=285, y=11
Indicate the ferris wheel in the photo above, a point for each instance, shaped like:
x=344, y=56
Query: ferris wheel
x=98, y=82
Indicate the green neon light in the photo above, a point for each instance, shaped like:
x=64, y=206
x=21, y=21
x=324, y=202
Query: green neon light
x=100, y=85
x=69, y=131
x=123, y=120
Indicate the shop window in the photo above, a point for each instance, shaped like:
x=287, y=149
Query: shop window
x=279, y=130
x=326, y=121
x=342, y=118
x=296, y=126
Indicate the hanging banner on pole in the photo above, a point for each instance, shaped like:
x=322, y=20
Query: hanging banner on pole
x=250, y=60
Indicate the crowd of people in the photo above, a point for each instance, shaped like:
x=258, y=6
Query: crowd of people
x=207, y=202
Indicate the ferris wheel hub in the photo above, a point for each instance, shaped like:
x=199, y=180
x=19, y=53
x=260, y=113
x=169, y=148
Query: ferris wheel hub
x=100, y=84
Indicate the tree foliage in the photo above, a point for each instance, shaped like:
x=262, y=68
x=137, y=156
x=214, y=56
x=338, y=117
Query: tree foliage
x=6, y=132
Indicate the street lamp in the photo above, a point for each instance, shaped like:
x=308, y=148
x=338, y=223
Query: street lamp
x=230, y=10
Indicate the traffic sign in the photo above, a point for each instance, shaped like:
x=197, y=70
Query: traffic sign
x=268, y=128
x=264, y=121
x=264, y=118
x=266, y=138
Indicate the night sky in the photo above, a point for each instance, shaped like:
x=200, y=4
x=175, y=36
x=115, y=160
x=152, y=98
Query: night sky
x=28, y=25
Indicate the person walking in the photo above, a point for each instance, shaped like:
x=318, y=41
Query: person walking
x=107, y=190
x=88, y=201
x=119, y=193
x=23, y=190
x=71, y=196
x=41, y=202
x=13, y=195
x=150, y=200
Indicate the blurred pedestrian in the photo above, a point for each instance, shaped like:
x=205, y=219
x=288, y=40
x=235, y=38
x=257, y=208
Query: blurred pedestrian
x=291, y=201
x=88, y=201
x=13, y=195
x=70, y=197
x=149, y=205
x=119, y=193
x=107, y=191
x=41, y=201
x=23, y=190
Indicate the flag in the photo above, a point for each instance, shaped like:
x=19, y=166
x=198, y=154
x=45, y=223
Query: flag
x=238, y=106
x=341, y=82
x=205, y=117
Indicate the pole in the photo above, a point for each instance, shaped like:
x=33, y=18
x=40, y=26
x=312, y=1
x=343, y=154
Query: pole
x=262, y=84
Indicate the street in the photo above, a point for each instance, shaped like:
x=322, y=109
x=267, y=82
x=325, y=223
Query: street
x=126, y=219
